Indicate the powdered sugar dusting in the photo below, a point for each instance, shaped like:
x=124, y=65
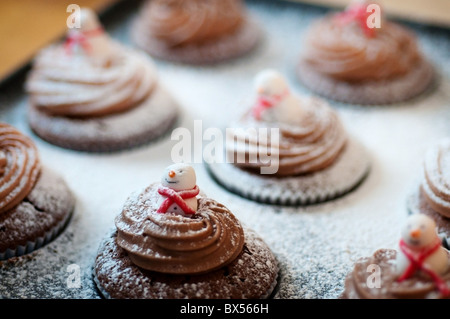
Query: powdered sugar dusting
x=249, y=276
x=316, y=246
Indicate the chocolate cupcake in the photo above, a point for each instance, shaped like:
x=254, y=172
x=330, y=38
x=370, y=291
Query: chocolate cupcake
x=93, y=94
x=345, y=60
x=433, y=196
x=35, y=203
x=172, y=243
x=419, y=269
x=196, y=31
x=312, y=159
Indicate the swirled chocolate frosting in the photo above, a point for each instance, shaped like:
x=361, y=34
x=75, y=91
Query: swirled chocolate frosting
x=19, y=167
x=79, y=85
x=436, y=185
x=345, y=53
x=174, y=244
x=178, y=22
x=361, y=282
x=310, y=146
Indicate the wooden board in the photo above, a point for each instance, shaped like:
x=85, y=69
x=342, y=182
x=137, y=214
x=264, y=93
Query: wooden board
x=28, y=25
x=433, y=12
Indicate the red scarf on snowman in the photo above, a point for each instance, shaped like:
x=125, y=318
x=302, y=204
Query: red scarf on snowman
x=358, y=13
x=263, y=103
x=177, y=197
x=81, y=38
x=416, y=262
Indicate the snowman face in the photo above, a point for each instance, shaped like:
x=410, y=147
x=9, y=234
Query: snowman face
x=269, y=83
x=419, y=231
x=179, y=177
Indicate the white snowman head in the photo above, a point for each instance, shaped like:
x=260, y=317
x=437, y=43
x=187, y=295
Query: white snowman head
x=419, y=231
x=179, y=177
x=358, y=2
x=90, y=38
x=88, y=20
x=270, y=83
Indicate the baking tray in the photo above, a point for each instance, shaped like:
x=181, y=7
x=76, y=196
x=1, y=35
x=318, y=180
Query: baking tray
x=316, y=246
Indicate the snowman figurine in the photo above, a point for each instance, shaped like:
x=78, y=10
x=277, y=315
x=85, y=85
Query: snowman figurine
x=178, y=190
x=274, y=100
x=356, y=12
x=421, y=250
x=90, y=39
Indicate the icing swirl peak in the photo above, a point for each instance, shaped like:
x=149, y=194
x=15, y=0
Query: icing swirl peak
x=436, y=185
x=19, y=167
x=175, y=244
x=178, y=23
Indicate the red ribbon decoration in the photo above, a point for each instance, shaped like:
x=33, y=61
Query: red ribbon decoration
x=178, y=198
x=263, y=103
x=357, y=12
x=81, y=38
x=417, y=263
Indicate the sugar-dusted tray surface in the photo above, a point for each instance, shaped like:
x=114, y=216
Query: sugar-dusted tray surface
x=316, y=246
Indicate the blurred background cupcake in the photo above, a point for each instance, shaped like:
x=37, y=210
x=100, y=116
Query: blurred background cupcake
x=347, y=57
x=289, y=149
x=94, y=94
x=195, y=31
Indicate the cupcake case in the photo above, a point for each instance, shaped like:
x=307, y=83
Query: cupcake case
x=316, y=246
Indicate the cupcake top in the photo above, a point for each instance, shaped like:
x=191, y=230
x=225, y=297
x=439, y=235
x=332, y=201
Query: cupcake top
x=168, y=229
x=19, y=167
x=419, y=269
x=90, y=74
x=341, y=46
x=182, y=23
x=311, y=135
x=436, y=184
